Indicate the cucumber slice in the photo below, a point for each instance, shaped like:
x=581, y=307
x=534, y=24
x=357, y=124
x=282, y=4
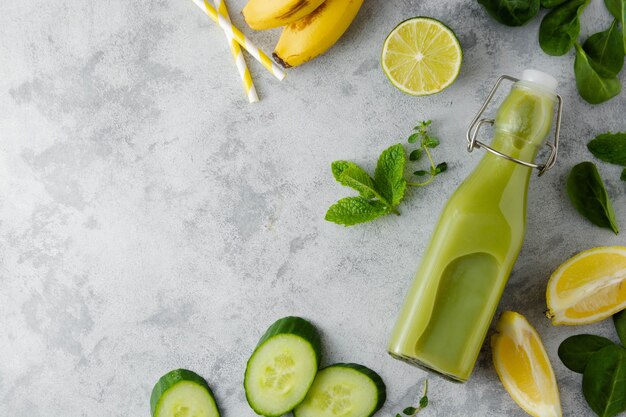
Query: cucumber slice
x=182, y=393
x=346, y=390
x=282, y=367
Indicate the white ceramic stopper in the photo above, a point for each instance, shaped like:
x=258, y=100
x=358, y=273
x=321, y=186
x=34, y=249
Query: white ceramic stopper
x=539, y=77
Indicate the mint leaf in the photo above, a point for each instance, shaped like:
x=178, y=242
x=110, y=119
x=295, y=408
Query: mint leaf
x=338, y=167
x=609, y=147
x=619, y=320
x=389, y=174
x=354, y=210
x=409, y=411
x=356, y=178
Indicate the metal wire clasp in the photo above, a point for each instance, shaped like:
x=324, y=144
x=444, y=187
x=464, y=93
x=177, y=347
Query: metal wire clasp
x=476, y=124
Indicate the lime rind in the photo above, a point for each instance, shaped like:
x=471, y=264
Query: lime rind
x=442, y=28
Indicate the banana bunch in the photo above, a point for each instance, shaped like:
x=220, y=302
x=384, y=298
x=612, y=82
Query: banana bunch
x=311, y=26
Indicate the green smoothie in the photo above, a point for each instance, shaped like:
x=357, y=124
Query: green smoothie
x=450, y=305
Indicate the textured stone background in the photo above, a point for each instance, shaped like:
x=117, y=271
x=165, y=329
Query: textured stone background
x=151, y=219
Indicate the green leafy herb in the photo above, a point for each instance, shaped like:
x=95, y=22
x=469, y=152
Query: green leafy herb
x=382, y=194
x=594, y=88
x=422, y=403
x=609, y=147
x=588, y=195
x=426, y=141
x=548, y=4
x=354, y=210
x=512, y=12
x=389, y=174
x=560, y=27
x=576, y=351
x=604, y=381
x=606, y=51
x=618, y=9
x=619, y=320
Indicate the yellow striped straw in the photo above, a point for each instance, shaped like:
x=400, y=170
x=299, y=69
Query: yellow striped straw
x=246, y=43
x=240, y=61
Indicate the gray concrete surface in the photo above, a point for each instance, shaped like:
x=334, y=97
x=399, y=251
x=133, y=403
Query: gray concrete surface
x=150, y=218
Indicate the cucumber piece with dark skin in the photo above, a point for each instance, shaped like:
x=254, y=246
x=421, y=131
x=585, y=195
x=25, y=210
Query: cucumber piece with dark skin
x=182, y=393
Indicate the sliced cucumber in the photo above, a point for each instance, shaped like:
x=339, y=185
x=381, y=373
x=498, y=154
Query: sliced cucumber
x=282, y=367
x=182, y=393
x=346, y=390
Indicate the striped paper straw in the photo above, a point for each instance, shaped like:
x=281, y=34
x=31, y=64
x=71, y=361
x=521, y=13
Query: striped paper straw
x=240, y=38
x=244, y=72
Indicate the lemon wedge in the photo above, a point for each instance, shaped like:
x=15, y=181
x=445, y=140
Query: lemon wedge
x=589, y=287
x=523, y=366
x=421, y=56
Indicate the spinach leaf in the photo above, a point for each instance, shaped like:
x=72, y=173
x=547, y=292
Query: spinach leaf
x=618, y=9
x=610, y=148
x=604, y=381
x=511, y=12
x=560, y=28
x=575, y=351
x=619, y=320
x=548, y=4
x=592, y=86
x=589, y=197
x=606, y=51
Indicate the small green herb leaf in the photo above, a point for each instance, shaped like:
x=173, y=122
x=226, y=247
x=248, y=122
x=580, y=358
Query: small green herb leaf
x=389, y=174
x=409, y=411
x=398, y=415
x=430, y=142
x=413, y=138
x=355, y=177
x=354, y=210
x=415, y=155
x=511, y=12
x=560, y=27
x=424, y=402
x=618, y=10
x=606, y=51
x=609, y=147
x=588, y=195
x=576, y=351
x=420, y=173
x=594, y=88
x=604, y=381
x=619, y=320
x=442, y=167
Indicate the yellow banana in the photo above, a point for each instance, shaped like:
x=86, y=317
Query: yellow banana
x=267, y=14
x=316, y=33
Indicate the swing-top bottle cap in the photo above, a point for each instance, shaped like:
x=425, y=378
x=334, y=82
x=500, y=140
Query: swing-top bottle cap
x=541, y=78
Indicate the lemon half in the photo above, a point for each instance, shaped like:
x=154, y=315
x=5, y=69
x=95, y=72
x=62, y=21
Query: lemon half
x=421, y=56
x=589, y=287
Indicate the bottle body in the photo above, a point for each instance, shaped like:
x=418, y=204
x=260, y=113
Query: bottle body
x=452, y=300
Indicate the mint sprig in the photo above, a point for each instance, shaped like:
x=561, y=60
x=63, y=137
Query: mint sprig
x=422, y=403
x=382, y=194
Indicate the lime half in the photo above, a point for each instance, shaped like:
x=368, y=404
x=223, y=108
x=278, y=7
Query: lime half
x=421, y=56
